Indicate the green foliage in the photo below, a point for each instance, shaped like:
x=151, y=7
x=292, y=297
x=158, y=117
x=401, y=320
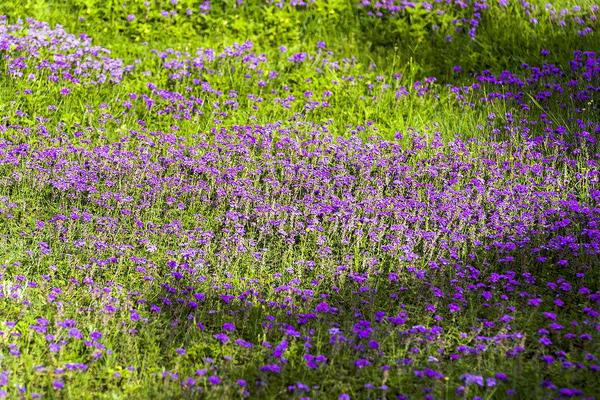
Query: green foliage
x=415, y=44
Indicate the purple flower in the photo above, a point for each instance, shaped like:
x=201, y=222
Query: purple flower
x=298, y=57
x=221, y=337
x=243, y=343
x=229, y=326
x=362, y=329
x=273, y=368
x=453, y=307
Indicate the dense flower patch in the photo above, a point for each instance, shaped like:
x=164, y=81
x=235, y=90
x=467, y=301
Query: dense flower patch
x=36, y=48
x=153, y=237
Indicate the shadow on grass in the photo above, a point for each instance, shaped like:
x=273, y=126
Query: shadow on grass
x=503, y=41
x=392, y=306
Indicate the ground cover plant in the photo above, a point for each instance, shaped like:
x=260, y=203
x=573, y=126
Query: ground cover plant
x=299, y=199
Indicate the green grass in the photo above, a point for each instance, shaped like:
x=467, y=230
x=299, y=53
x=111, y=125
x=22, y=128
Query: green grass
x=382, y=48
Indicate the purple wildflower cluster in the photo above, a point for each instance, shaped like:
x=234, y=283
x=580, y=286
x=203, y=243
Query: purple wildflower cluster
x=282, y=242
x=34, y=50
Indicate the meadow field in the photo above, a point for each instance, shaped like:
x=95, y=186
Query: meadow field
x=299, y=199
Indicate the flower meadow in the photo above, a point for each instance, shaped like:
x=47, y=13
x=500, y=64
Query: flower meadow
x=300, y=199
